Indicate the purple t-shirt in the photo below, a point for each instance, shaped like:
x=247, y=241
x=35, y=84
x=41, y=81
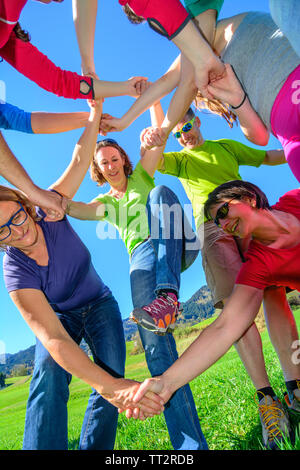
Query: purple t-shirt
x=69, y=281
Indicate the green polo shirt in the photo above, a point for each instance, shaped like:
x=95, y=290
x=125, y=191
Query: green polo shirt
x=128, y=214
x=202, y=169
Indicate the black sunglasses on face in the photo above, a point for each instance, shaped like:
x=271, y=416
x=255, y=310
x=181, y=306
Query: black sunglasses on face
x=222, y=212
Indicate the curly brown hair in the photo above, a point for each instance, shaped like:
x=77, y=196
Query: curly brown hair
x=133, y=18
x=21, y=33
x=96, y=174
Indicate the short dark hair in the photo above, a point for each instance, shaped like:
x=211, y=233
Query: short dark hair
x=96, y=174
x=190, y=113
x=236, y=189
x=133, y=18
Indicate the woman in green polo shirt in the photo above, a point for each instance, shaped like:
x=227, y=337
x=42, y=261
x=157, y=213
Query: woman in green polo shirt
x=160, y=244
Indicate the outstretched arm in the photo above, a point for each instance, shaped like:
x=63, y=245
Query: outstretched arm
x=54, y=123
x=154, y=93
x=84, y=17
x=274, y=157
x=212, y=343
x=229, y=90
x=41, y=318
x=72, y=177
x=14, y=173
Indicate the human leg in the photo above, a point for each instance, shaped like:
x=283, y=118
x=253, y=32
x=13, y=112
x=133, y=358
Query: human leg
x=103, y=331
x=180, y=412
x=169, y=253
x=46, y=412
x=221, y=259
x=284, y=336
x=286, y=14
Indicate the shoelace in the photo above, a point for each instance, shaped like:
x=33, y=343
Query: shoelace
x=157, y=304
x=270, y=413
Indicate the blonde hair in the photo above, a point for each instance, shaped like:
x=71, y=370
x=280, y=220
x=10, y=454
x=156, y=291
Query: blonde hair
x=217, y=107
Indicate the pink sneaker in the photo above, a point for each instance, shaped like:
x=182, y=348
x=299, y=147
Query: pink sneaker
x=159, y=316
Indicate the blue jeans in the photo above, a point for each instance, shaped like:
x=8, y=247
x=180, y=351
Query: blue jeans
x=100, y=324
x=286, y=14
x=156, y=264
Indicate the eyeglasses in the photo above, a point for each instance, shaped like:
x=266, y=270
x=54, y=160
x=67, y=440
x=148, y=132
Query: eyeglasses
x=222, y=212
x=17, y=219
x=186, y=128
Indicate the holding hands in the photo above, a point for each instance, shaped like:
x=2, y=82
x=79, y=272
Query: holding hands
x=227, y=88
x=122, y=396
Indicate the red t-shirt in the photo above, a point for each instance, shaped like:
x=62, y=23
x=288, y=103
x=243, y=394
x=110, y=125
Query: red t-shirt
x=266, y=266
x=32, y=63
x=167, y=17
x=10, y=11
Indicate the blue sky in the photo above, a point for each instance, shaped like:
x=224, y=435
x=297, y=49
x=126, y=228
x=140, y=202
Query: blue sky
x=122, y=50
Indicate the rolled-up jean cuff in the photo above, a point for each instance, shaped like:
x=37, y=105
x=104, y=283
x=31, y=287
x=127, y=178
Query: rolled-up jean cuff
x=166, y=287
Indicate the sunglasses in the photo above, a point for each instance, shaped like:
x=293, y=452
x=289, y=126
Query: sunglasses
x=186, y=128
x=109, y=141
x=222, y=212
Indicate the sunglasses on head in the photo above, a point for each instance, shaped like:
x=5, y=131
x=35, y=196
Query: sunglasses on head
x=222, y=212
x=186, y=128
x=109, y=141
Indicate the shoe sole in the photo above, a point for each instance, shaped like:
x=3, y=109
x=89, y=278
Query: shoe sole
x=141, y=317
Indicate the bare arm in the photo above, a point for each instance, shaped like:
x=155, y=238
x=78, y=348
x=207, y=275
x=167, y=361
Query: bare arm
x=12, y=170
x=72, y=177
x=274, y=157
x=213, y=342
x=53, y=123
x=84, y=17
x=207, y=65
x=41, y=318
x=93, y=210
x=229, y=90
x=183, y=97
x=155, y=92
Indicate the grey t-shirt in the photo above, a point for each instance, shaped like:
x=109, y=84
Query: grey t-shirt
x=262, y=58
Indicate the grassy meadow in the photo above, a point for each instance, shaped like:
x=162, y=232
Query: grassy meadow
x=224, y=396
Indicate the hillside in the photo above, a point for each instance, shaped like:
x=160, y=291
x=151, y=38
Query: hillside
x=197, y=308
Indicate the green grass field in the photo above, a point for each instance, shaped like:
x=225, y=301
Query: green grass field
x=224, y=396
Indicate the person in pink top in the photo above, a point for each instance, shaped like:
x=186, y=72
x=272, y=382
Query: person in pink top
x=242, y=209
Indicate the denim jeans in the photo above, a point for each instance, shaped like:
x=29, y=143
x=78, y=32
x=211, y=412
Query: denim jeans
x=100, y=324
x=156, y=264
x=286, y=14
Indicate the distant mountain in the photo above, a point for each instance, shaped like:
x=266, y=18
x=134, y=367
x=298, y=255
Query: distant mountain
x=194, y=310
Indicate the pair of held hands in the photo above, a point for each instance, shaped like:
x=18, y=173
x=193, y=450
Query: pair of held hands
x=226, y=88
x=139, y=400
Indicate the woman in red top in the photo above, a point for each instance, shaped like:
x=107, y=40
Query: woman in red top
x=241, y=209
x=16, y=49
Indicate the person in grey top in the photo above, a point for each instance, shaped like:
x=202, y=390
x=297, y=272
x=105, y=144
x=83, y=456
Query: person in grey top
x=261, y=85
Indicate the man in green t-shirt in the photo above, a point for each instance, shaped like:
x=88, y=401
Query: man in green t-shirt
x=201, y=166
